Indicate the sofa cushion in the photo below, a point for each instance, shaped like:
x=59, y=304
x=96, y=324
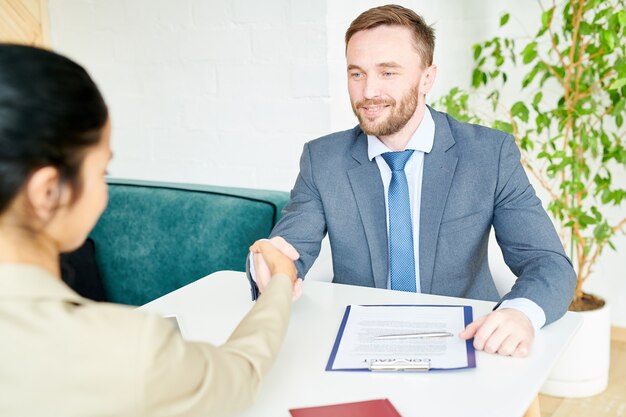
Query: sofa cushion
x=156, y=237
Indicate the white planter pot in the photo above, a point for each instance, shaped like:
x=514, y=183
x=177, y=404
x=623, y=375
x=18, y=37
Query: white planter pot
x=583, y=369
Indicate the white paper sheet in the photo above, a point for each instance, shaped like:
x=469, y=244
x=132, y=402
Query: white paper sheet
x=358, y=345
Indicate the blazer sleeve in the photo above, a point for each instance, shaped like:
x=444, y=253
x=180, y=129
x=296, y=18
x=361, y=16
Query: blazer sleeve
x=189, y=379
x=303, y=223
x=528, y=239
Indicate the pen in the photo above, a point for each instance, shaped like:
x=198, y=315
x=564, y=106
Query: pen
x=421, y=335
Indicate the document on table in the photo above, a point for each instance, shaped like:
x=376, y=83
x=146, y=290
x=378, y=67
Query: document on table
x=358, y=344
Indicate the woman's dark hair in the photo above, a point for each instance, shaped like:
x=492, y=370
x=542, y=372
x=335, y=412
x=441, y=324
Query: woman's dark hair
x=50, y=113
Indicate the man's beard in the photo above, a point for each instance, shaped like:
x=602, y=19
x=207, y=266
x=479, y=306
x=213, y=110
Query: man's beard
x=395, y=121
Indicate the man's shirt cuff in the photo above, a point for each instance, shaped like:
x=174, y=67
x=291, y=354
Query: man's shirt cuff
x=251, y=266
x=534, y=313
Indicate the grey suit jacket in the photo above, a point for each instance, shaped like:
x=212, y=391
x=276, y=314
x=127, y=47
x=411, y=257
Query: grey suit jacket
x=472, y=180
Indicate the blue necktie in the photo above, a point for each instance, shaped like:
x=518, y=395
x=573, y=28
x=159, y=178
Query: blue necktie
x=401, y=255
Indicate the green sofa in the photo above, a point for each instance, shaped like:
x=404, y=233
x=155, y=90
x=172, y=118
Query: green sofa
x=156, y=237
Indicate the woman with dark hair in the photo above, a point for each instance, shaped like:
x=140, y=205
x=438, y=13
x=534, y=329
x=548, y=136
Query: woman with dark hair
x=62, y=354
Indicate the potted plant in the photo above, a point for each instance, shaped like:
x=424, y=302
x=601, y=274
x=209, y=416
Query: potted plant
x=568, y=120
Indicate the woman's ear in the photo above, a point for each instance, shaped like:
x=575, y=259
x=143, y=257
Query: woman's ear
x=44, y=192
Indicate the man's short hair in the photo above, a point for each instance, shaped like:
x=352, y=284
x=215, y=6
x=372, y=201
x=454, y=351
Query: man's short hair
x=394, y=15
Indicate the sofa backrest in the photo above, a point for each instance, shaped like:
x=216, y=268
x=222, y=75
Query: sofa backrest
x=156, y=237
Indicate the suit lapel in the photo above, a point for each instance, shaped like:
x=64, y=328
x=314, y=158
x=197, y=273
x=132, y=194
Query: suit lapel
x=367, y=187
x=439, y=166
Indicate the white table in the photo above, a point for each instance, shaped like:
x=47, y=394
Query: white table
x=210, y=308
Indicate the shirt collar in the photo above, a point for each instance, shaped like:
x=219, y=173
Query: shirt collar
x=32, y=282
x=422, y=140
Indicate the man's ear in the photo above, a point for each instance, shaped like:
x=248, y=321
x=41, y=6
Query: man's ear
x=428, y=79
x=44, y=192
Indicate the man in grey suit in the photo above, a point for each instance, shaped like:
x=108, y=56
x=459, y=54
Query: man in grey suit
x=423, y=225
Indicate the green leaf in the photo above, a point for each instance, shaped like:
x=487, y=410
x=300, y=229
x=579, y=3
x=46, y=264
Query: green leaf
x=529, y=57
x=585, y=220
x=621, y=17
x=537, y=99
x=520, y=110
x=617, y=84
x=585, y=28
x=602, y=231
x=546, y=16
x=567, y=14
x=477, y=50
x=494, y=96
x=603, y=13
x=608, y=40
x=529, y=53
x=619, y=107
x=543, y=30
x=614, y=96
x=504, y=19
x=542, y=121
x=613, y=19
x=528, y=78
x=584, y=107
x=553, y=169
x=596, y=213
x=477, y=78
x=504, y=126
x=620, y=67
x=527, y=144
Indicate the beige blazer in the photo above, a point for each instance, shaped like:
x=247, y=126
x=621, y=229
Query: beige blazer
x=63, y=355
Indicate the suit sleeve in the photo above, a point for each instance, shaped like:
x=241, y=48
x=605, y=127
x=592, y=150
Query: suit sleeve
x=303, y=223
x=528, y=239
x=188, y=379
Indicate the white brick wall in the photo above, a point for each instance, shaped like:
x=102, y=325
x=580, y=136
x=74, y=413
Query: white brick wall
x=226, y=92
x=209, y=91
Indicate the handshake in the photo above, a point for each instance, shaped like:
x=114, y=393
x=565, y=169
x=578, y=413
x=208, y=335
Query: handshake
x=275, y=256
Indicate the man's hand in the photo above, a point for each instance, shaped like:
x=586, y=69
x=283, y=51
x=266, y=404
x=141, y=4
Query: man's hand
x=506, y=331
x=262, y=266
